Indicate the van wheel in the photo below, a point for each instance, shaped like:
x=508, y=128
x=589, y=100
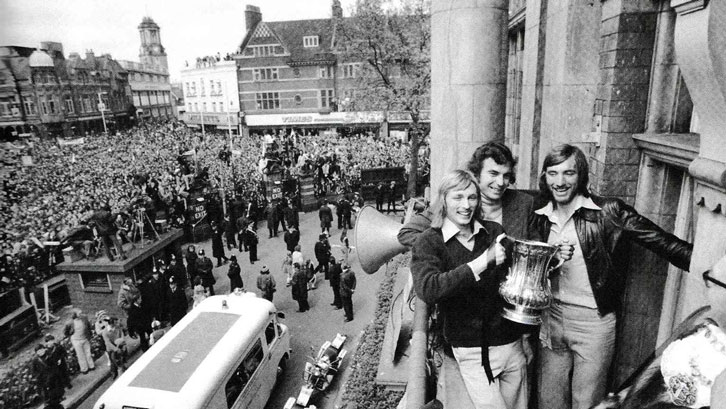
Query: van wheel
x=280, y=369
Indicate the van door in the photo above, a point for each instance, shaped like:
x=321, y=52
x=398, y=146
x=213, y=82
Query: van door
x=246, y=387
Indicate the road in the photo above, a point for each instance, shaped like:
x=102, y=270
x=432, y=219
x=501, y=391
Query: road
x=309, y=329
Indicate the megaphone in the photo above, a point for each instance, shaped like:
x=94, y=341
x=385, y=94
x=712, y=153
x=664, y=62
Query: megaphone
x=376, y=239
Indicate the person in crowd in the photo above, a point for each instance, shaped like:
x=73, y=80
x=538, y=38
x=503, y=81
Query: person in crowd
x=242, y=223
x=205, y=267
x=191, y=259
x=310, y=272
x=291, y=216
x=297, y=256
x=177, y=300
x=272, y=222
x=287, y=268
x=300, y=287
x=230, y=232
x=339, y=211
x=381, y=194
x=266, y=283
x=345, y=211
x=251, y=241
x=392, y=196
x=113, y=339
x=218, y=244
x=577, y=337
x=153, y=295
x=57, y=360
x=336, y=270
x=458, y=265
x=235, y=279
x=280, y=215
x=322, y=254
x=347, y=288
x=139, y=324
x=106, y=228
x=326, y=217
x=292, y=238
x=177, y=270
x=49, y=381
x=128, y=295
x=199, y=292
x=156, y=332
x=78, y=329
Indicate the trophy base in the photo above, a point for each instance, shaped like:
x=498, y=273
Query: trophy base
x=522, y=315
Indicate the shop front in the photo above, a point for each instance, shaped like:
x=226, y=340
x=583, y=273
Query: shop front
x=211, y=121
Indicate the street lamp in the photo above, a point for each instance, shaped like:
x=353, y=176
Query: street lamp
x=102, y=107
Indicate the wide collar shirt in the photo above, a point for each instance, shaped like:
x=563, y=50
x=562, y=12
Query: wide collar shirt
x=572, y=284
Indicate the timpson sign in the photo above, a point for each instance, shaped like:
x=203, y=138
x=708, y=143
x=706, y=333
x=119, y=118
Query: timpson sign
x=333, y=118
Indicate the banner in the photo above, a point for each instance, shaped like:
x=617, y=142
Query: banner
x=69, y=142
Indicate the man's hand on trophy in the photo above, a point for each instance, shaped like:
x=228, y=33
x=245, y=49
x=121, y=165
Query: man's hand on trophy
x=566, y=250
x=496, y=254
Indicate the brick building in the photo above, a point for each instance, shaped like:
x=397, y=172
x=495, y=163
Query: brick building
x=43, y=93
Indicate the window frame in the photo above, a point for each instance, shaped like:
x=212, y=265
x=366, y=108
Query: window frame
x=311, y=41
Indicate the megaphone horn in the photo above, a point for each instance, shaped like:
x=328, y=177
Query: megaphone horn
x=376, y=239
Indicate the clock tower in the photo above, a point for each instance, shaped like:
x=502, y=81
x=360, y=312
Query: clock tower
x=151, y=51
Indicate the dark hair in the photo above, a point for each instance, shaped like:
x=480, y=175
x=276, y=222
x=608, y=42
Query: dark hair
x=559, y=154
x=495, y=150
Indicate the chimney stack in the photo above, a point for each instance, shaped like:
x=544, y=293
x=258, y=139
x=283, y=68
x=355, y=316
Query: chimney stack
x=253, y=15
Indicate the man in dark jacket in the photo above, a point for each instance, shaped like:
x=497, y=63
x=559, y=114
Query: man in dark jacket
x=322, y=254
x=335, y=272
x=178, y=303
x=106, y=229
x=204, y=270
x=291, y=216
x=177, y=270
x=578, y=331
x=251, y=241
x=300, y=287
x=292, y=238
x=347, y=288
x=326, y=217
x=272, y=222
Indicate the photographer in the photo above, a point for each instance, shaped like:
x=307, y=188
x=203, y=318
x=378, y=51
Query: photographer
x=106, y=229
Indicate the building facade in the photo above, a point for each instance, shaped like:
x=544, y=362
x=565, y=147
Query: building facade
x=291, y=77
x=211, y=96
x=149, y=78
x=43, y=93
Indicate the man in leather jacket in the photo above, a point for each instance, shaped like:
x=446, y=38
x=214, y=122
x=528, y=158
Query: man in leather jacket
x=578, y=331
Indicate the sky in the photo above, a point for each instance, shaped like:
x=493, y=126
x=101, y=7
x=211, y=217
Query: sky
x=189, y=28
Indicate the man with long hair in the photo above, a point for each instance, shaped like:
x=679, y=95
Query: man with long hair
x=578, y=331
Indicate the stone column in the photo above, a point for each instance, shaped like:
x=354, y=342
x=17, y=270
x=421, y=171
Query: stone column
x=699, y=41
x=468, y=80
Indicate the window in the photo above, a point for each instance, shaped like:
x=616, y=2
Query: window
x=219, y=87
x=204, y=107
x=310, y=41
x=211, y=87
x=265, y=74
x=4, y=109
x=52, y=105
x=264, y=50
x=298, y=99
x=326, y=98
x=201, y=86
x=268, y=100
x=189, y=107
x=44, y=105
x=196, y=107
x=69, y=105
x=95, y=282
x=214, y=107
x=296, y=72
x=326, y=72
x=137, y=100
x=245, y=371
x=29, y=107
x=350, y=70
x=194, y=88
x=270, y=332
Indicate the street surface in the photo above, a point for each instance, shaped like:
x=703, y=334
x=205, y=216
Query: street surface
x=308, y=329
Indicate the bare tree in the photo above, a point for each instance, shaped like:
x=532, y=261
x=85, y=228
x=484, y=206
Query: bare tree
x=392, y=41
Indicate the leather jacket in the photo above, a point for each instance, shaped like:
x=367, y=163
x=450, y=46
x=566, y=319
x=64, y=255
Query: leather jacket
x=604, y=236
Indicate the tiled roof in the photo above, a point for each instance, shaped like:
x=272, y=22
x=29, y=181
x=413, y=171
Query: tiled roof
x=290, y=34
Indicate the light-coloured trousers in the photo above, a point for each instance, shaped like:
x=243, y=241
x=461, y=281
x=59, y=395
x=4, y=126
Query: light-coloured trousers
x=576, y=350
x=509, y=367
x=83, y=353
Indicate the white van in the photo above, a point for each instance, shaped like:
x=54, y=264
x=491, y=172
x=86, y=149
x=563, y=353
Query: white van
x=227, y=352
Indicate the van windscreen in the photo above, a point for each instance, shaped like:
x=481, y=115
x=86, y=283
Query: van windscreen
x=183, y=355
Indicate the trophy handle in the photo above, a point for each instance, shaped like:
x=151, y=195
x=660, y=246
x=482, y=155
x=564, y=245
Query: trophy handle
x=553, y=268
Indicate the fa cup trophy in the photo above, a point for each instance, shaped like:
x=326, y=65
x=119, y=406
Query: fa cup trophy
x=527, y=287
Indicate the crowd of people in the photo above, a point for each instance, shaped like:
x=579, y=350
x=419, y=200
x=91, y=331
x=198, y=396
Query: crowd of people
x=153, y=168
